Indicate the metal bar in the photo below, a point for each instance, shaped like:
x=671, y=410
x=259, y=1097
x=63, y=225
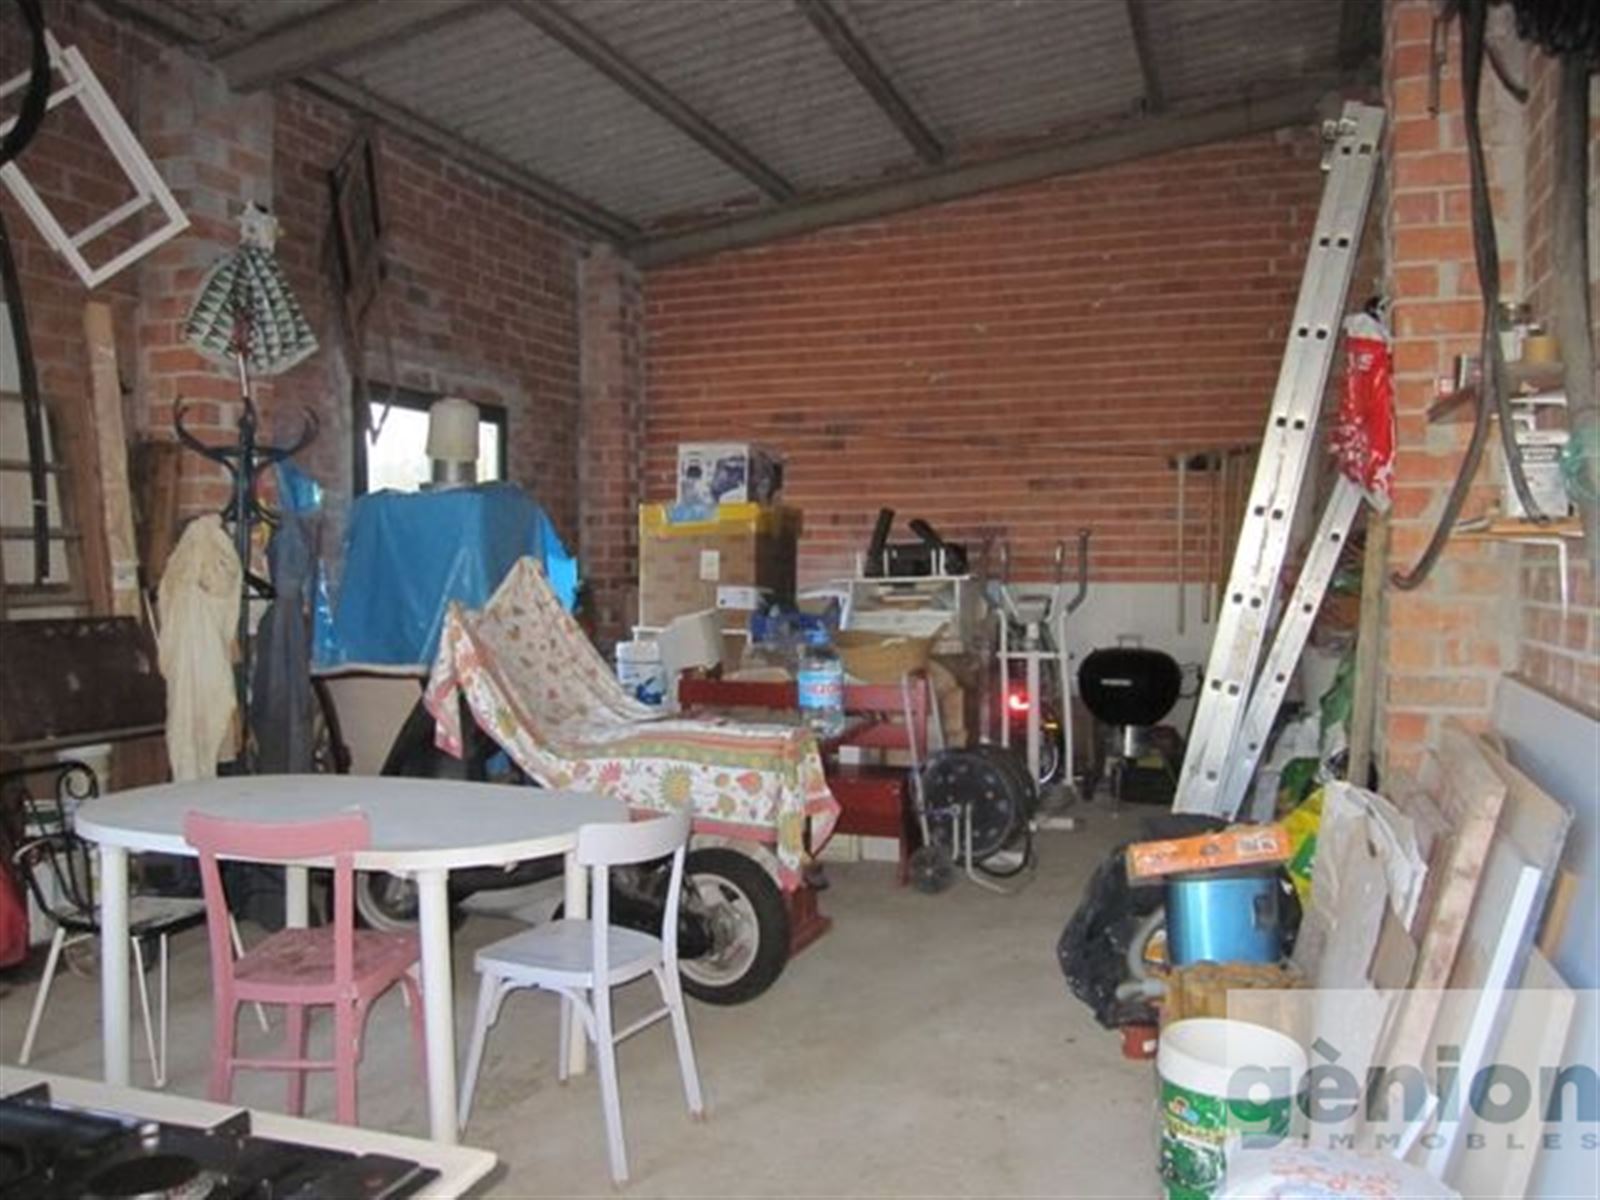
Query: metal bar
x=1208, y=571
x=16, y=464
x=332, y=35
x=1133, y=138
x=560, y=26
x=1155, y=96
x=1322, y=559
x=1183, y=586
x=841, y=39
x=24, y=533
x=581, y=211
x=1285, y=452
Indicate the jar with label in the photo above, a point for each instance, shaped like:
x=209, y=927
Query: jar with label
x=820, y=682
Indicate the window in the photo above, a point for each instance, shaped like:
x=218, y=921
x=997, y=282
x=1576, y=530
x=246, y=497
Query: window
x=398, y=457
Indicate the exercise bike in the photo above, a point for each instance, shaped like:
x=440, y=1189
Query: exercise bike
x=1035, y=692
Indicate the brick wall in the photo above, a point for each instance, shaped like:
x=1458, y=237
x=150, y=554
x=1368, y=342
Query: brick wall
x=66, y=165
x=482, y=298
x=1019, y=364
x=214, y=150
x=1557, y=651
x=481, y=301
x=613, y=395
x=1487, y=609
x=1448, y=641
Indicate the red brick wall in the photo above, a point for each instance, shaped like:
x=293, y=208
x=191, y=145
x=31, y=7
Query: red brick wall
x=481, y=301
x=613, y=394
x=1558, y=651
x=1447, y=642
x=1487, y=609
x=1020, y=363
x=64, y=164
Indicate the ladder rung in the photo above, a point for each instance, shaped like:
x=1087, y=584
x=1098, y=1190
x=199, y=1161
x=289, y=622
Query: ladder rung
x=42, y=597
x=23, y=465
x=24, y=533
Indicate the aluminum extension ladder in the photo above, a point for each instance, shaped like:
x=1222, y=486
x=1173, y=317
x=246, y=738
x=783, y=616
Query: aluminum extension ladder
x=1234, y=712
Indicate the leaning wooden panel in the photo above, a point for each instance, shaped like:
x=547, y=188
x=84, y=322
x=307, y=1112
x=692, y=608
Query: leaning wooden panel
x=1468, y=795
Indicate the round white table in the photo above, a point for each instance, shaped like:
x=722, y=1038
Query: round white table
x=421, y=828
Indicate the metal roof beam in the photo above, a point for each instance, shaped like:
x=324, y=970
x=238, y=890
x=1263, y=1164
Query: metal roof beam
x=843, y=42
x=1134, y=137
x=559, y=25
x=1155, y=96
x=332, y=35
x=583, y=212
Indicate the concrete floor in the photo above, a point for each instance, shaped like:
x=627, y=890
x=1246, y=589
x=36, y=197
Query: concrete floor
x=926, y=1047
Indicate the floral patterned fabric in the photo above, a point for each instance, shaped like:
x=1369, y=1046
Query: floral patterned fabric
x=538, y=686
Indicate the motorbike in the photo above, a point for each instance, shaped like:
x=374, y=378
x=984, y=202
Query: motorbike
x=733, y=924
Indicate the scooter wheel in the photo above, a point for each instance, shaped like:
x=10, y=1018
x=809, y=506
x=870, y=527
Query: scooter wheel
x=932, y=871
x=747, y=921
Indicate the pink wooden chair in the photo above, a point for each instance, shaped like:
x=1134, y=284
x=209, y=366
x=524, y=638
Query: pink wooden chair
x=336, y=965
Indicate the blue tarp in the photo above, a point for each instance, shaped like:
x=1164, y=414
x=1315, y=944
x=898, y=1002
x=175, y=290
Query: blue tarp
x=408, y=554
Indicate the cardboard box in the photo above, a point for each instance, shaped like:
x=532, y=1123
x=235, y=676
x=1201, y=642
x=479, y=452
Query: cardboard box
x=1236, y=846
x=727, y=473
x=683, y=566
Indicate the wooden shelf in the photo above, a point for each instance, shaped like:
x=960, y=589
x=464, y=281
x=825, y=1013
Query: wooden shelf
x=1459, y=406
x=1508, y=529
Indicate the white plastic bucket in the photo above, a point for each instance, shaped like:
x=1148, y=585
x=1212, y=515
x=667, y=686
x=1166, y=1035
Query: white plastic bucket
x=640, y=671
x=1221, y=1082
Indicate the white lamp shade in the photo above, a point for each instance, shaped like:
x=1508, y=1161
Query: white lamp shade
x=453, y=430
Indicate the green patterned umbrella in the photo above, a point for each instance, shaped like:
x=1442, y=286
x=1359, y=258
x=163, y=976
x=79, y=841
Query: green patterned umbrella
x=246, y=309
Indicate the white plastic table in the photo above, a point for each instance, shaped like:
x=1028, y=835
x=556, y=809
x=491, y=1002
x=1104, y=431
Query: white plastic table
x=421, y=828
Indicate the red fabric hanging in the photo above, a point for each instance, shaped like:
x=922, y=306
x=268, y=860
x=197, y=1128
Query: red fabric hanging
x=1363, y=434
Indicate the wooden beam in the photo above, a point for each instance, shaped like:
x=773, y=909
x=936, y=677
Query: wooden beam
x=585, y=213
x=116, y=515
x=1155, y=96
x=870, y=75
x=1135, y=137
x=333, y=34
x=559, y=26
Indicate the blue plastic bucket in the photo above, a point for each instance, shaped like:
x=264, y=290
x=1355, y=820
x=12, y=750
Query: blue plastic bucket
x=1223, y=916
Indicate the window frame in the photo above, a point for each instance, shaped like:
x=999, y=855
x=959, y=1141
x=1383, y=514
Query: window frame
x=416, y=401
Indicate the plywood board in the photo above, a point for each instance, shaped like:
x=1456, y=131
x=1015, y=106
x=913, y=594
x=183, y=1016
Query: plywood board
x=112, y=459
x=1534, y=821
x=1468, y=795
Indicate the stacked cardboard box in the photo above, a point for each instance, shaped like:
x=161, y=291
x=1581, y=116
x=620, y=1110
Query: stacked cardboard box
x=683, y=566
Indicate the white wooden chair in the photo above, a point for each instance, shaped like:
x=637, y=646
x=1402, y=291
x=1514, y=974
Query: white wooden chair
x=583, y=960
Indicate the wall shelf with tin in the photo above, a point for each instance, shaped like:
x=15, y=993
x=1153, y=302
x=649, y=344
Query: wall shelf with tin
x=1524, y=377
x=1514, y=529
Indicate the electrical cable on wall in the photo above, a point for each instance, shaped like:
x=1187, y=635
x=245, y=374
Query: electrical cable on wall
x=1493, y=399
x=1569, y=30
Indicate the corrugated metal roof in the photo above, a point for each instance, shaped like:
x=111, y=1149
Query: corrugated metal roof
x=501, y=84
x=979, y=73
x=219, y=20
x=761, y=74
x=985, y=70
x=1210, y=46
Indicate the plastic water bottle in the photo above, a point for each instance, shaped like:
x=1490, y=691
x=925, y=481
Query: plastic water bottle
x=821, y=685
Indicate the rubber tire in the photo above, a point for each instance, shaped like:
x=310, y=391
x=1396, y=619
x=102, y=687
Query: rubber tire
x=1026, y=859
x=748, y=877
